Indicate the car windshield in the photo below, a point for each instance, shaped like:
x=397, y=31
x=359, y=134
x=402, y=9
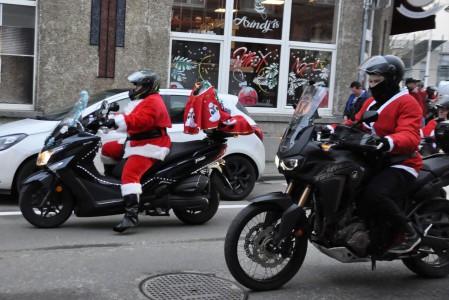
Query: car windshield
x=70, y=120
x=303, y=115
x=61, y=112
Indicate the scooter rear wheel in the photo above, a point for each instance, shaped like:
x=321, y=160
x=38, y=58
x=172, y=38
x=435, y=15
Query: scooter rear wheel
x=193, y=217
x=45, y=208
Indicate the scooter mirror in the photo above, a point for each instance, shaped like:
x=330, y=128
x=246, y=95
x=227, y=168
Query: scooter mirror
x=114, y=107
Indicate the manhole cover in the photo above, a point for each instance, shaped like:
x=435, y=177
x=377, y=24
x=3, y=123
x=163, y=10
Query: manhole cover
x=190, y=286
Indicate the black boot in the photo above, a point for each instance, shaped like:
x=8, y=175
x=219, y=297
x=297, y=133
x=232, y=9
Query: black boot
x=108, y=169
x=406, y=240
x=131, y=218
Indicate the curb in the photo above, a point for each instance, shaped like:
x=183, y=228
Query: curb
x=273, y=176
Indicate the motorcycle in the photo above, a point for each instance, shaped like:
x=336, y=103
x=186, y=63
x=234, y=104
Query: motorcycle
x=267, y=241
x=70, y=182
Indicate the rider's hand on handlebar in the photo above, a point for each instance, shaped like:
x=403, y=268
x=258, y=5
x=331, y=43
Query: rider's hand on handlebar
x=385, y=144
x=110, y=123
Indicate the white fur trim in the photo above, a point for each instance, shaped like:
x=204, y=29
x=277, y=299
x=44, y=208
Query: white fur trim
x=120, y=122
x=107, y=160
x=148, y=150
x=131, y=106
x=131, y=188
x=331, y=129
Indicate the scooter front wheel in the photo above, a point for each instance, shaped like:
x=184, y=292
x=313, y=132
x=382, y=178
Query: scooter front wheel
x=45, y=208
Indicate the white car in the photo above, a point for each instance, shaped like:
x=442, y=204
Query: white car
x=21, y=142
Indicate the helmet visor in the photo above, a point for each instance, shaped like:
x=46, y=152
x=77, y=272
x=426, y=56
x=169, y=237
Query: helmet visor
x=135, y=77
x=376, y=65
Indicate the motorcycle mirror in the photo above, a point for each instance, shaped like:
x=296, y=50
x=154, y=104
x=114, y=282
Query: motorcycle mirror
x=104, y=105
x=114, y=107
x=368, y=117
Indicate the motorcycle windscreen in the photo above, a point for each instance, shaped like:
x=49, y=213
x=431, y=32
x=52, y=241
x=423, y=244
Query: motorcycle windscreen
x=303, y=115
x=70, y=120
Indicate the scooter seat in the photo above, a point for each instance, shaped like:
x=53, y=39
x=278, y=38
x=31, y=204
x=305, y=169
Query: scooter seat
x=438, y=165
x=178, y=150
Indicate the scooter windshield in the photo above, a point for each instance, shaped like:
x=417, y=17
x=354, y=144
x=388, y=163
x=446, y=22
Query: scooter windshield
x=70, y=120
x=303, y=115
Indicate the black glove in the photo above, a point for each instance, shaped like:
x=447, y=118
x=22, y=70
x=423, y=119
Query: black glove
x=325, y=131
x=386, y=144
x=110, y=123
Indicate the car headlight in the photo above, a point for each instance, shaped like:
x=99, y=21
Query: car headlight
x=8, y=141
x=43, y=158
x=276, y=161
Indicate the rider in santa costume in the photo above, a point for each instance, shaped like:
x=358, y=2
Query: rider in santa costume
x=145, y=120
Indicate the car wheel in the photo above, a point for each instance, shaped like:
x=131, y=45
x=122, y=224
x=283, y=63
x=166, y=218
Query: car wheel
x=241, y=174
x=26, y=169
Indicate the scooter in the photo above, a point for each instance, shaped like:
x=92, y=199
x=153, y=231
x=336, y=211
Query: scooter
x=70, y=182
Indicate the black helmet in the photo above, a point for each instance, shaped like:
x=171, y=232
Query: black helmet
x=389, y=66
x=149, y=80
x=443, y=102
x=431, y=89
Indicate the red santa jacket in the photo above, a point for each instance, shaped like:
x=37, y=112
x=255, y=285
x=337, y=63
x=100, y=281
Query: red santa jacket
x=429, y=129
x=142, y=116
x=399, y=121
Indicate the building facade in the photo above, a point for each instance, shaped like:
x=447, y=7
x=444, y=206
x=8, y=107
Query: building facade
x=262, y=50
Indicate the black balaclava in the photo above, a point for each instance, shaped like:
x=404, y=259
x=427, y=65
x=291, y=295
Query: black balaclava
x=384, y=90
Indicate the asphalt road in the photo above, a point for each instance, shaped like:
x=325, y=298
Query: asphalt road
x=85, y=259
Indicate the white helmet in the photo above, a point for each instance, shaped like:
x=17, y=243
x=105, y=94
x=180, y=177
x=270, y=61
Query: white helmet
x=443, y=88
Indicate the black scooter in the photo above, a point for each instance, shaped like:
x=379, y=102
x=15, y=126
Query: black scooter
x=69, y=181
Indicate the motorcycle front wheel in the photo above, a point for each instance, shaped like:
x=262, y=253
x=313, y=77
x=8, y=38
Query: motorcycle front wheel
x=198, y=217
x=45, y=208
x=432, y=261
x=246, y=253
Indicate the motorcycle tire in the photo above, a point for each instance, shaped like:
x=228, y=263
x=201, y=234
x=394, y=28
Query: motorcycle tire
x=246, y=253
x=193, y=217
x=52, y=212
x=432, y=262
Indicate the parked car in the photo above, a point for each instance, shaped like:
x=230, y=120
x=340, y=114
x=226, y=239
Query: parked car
x=21, y=141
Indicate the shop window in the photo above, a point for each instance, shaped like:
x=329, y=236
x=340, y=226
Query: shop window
x=306, y=67
x=198, y=16
x=192, y=62
x=258, y=18
x=17, y=25
x=313, y=21
x=254, y=73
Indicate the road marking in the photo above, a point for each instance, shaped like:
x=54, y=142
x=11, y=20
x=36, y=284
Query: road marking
x=225, y=206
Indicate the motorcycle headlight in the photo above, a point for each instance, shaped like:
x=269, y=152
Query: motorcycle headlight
x=43, y=158
x=289, y=164
x=8, y=141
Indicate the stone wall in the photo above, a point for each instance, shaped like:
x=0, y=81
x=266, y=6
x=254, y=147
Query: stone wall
x=67, y=62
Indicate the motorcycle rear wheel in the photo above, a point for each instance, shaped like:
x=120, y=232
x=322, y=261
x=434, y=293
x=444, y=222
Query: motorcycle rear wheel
x=433, y=262
x=196, y=217
x=45, y=208
x=247, y=257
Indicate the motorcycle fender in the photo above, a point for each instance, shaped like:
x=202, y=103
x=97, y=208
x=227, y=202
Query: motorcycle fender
x=282, y=200
x=44, y=176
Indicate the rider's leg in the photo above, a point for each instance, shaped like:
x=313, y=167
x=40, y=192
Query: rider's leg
x=133, y=170
x=378, y=201
x=111, y=154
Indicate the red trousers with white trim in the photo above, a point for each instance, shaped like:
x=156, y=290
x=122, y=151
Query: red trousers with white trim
x=133, y=170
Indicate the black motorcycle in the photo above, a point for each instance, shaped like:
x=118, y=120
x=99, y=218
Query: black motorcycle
x=267, y=241
x=69, y=181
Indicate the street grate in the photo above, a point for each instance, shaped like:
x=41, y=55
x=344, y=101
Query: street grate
x=187, y=286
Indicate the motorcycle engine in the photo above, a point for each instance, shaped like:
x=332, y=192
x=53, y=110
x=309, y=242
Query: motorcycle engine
x=355, y=237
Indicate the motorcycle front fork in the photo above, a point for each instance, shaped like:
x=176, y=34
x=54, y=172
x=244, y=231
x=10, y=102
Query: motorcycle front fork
x=304, y=195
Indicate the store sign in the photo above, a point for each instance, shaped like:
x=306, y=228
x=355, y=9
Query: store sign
x=265, y=26
x=428, y=7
